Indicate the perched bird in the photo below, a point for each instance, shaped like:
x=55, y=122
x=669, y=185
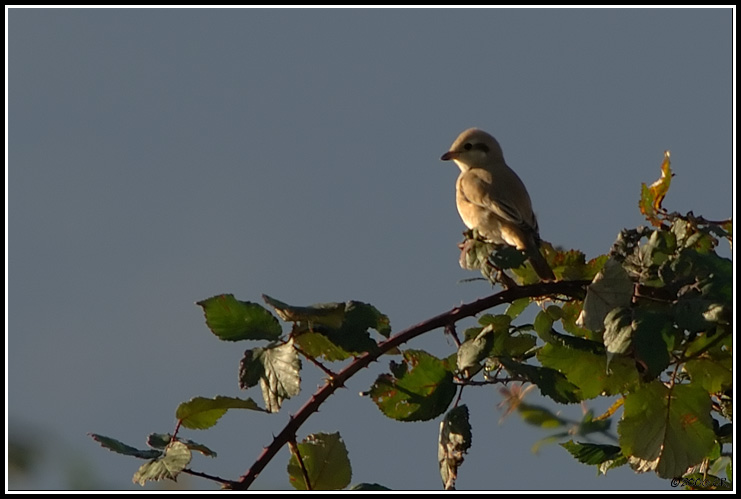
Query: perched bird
x=492, y=199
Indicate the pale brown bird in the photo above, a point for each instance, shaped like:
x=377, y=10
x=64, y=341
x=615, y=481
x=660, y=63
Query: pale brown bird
x=492, y=199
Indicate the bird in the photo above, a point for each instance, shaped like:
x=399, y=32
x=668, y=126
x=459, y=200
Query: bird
x=492, y=200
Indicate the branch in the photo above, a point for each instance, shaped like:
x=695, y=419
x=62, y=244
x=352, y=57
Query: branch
x=200, y=474
x=571, y=289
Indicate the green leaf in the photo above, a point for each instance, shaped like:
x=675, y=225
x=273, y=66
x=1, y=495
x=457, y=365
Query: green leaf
x=572, y=265
x=512, y=346
x=507, y=257
x=653, y=340
x=319, y=345
x=540, y=416
x=349, y=338
x=603, y=456
x=714, y=375
x=233, y=320
x=569, y=314
x=162, y=440
x=543, y=324
x=589, y=371
x=276, y=368
x=176, y=458
x=610, y=289
x=551, y=383
x=326, y=461
x=251, y=368
x=200, y=413
x=329, y=314
x=353, y=335
x=499, y=322
x=688, y=312
x=122, y=448
x=420, y=389
x=453, y=442
x=618, y=333
x=362, y=316
x=666, y=429
x=517, y=307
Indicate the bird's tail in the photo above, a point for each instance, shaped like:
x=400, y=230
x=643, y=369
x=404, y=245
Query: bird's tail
x=540, y=266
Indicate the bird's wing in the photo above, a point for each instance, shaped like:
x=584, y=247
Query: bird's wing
x=477, y=186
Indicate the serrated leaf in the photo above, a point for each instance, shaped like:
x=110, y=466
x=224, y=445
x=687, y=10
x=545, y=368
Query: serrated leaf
x=278, y=370
x=329, y=314
x=512, y=346
x=454, y=440
x=121, y=448
x=589, y=371
x=498, y=322
x=326, y=461
x=543, y=324
x=233, y=320
x=251, y=368
x=353, y=334
x=551, y=383
x=168, y=466
x=571, y=265
x=603, y=456
x=611, y=288
x=517, y=307
x=318, y=345
x=666, y=429
x=200, y=413
x=569, y=314
x=421, y=388
x=362, y=316
x=350, y=338
x=507, y=257
x=688, y=313
x=714, y=375
x=653, y=340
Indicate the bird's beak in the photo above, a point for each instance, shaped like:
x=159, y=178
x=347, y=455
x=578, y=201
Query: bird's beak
x=449, y=155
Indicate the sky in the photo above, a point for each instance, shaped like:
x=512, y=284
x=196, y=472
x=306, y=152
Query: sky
x=157, y=157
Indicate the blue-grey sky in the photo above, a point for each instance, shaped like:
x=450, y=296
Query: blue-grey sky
x=158, y=157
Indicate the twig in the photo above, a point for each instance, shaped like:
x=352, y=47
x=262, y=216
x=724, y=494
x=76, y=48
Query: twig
x=224, y=481
x=321, y=366
x=567, y=288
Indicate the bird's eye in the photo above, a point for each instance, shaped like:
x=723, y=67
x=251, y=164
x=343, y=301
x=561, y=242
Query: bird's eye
x=468, y=146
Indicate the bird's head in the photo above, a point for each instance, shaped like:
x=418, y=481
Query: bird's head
x=474, y=148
